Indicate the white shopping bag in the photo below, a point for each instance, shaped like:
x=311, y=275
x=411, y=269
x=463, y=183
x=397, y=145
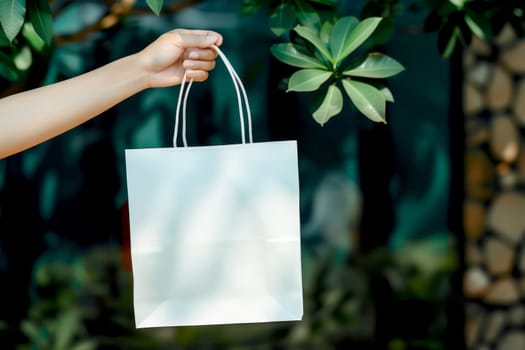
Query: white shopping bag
x=215, y=236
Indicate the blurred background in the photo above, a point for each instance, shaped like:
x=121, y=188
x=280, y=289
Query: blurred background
x=412, y=231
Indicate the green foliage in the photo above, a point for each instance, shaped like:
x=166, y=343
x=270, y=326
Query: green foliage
x=376, y=65
x=12, y=13
x=77, y=287
x=25, y=31
x=155, y=5
x=327, y=47
x=41, y=19
x=368, y=100
x=286, y=14
x=332, y=105
x=296, y=56
x=456, y=21
x=308, y=79
x=325, y=55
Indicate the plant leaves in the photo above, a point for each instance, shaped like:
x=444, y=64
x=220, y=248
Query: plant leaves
x=290, y=54
x=479, y=25
x=282, y=19
x=307, y=15
x=66, y=325
x=458, y=3
x=326, y=30
x=389, y=97
x=312, y=36
x=12, y=13
x=376, y=65
x=331, y=106
x=251, y=7
x=23, y=59
x=358, y=36
x=155, y=5
x=447, y=39
x=4, y=42
x=41, y=19
x=326, y=2
x=85, y=345
x=383, y=32
x=33, y=39
x=367, y=99
x=387, y=93
x=340, y=32
x=308, y=79
x=7, y=68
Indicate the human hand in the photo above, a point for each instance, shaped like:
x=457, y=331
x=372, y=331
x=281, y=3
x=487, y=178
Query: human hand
x=179, y=50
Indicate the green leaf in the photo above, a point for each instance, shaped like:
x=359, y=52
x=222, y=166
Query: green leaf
x=282, y=19
x=359, y=35
x=41, y=19
x=331, y=106
x=447, y=39
x=310, y=35
x=387, y=93
x=4, y=42
x=85, y=345
x=458, y=3
x=290, y=54
x=376, y=65
x=307, y=15
x=12, y=13
x=23, y=59
x=382, y=89
x=7, y=68
x=326, y=2
x=340, y=32
x=326, y=30
x=479, y=25
x=308, y=79
x=251, y=7
x=367, y=99
x=155, y=5
x=36, y=42
x=66, y=326
x=383, y=32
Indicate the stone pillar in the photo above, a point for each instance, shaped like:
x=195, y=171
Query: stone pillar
x=494, y=204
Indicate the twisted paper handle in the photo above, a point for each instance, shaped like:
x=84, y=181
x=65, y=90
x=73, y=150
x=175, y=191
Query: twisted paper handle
x=239, y=89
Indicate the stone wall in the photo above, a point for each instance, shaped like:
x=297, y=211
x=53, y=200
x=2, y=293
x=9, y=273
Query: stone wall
x=494, y=206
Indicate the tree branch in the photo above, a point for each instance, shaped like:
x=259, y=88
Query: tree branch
x=116, y=11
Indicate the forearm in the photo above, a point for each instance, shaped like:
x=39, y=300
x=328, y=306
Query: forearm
x=34, y=116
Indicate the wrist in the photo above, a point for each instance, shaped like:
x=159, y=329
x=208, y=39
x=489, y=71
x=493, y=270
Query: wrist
x=135, y=72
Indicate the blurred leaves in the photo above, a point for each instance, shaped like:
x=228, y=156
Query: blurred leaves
x=456, y=21
x=75, y=289
x=41, y=19
x=12, y=13
x=155, y=5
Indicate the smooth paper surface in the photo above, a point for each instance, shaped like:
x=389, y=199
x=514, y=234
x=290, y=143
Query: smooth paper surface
x=215, y=235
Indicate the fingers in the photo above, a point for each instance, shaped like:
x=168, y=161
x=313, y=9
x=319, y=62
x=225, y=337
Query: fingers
x=197, y=75
x=198, y=65
x=196, y=38
x=201, y=54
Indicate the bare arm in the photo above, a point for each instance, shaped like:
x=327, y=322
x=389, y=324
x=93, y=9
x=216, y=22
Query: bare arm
x=34, y=116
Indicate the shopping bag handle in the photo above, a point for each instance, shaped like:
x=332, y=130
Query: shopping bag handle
x=239, y=89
